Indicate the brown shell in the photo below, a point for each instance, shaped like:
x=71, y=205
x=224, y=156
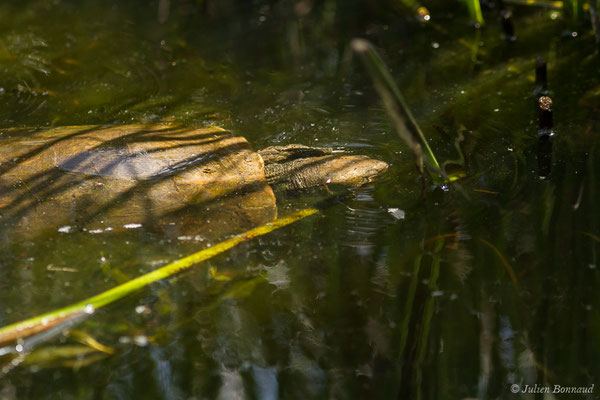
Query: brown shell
x=187, y=181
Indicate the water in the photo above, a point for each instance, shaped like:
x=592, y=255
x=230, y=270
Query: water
x=477, y=288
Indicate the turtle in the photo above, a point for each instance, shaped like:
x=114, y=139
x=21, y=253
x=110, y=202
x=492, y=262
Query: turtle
x=203, y=180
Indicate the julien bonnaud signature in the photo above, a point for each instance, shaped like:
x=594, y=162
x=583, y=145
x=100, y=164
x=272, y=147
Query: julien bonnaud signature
x=551, y=389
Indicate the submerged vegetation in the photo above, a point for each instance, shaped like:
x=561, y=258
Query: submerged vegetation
x=460, y=283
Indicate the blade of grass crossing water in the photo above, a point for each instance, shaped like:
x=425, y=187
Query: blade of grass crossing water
x=404, y=122
x=45, y=321
x=474, y=7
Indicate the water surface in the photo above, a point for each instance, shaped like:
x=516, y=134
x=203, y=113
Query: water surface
x=400, y=291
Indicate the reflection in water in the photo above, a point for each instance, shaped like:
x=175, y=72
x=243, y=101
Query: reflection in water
x=310, y=379
x=232, y=385
x=506, y=347
x=166, y=381
x=362, y=223
x=487, y=316
x=265, y=383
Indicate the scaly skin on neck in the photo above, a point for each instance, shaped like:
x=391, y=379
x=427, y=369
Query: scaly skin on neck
x=331, y=171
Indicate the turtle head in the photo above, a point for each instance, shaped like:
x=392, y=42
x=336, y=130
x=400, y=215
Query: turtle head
x=332, y=171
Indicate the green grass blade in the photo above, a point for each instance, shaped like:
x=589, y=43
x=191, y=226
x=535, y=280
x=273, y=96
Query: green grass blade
x=45, y=321
x=404, y=122
x=474, y=7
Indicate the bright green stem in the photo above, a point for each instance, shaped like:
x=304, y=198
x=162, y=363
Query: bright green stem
x=37, y=324
x=475, y=11
x=404, y=122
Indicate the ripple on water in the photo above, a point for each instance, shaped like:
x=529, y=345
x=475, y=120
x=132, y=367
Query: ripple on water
x=363, y=220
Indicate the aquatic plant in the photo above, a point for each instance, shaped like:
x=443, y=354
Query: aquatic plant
x=475, y=12
x=404, y=122
x=56, y=318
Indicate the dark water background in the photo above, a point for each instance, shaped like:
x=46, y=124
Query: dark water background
x=353, y=302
